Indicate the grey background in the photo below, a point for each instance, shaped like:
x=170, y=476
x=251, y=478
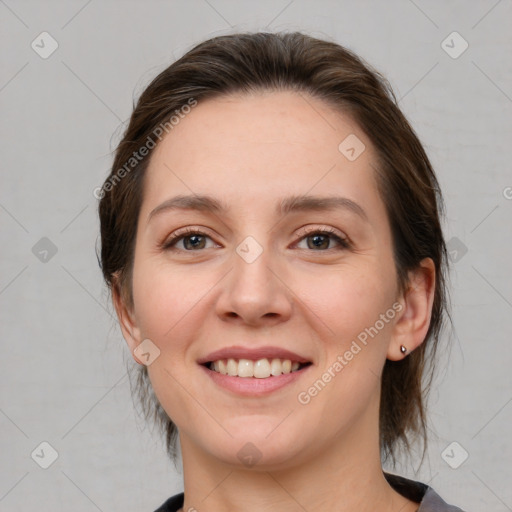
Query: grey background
x=63, y=365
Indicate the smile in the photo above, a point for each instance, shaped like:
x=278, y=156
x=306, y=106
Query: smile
x=259, y=369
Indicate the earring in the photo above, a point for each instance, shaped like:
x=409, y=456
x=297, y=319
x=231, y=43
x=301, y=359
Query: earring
x=403, y=349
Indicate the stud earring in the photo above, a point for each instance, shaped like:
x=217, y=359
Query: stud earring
x=403, y=349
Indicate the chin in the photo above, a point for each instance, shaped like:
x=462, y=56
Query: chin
x=260, y=446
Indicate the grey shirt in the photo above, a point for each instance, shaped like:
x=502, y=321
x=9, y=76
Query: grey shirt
x=421, y=493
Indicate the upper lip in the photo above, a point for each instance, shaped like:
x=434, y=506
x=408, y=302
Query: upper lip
x=254, y=354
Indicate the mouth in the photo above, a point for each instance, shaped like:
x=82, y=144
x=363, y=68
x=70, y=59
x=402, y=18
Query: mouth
x=254, y=372
x=258, y=369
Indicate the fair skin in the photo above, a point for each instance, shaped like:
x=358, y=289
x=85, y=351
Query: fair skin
x=250, y=152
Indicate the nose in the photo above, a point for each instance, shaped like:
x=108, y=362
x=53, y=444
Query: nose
x=255, y=292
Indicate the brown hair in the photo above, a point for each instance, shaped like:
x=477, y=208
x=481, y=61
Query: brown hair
x=249, y=62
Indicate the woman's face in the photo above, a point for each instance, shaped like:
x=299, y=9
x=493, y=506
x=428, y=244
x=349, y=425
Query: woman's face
x=266, y=275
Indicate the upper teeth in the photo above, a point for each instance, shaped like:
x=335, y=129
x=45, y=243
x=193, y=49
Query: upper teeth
x=261, y=369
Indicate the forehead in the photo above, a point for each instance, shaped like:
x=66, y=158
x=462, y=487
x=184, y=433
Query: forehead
x=259, y=147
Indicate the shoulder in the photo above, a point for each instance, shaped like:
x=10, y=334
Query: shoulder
x=428, y=499
x=432, y=502
x=173, y=504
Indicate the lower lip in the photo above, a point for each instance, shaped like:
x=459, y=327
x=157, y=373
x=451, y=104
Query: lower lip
x=251, y=386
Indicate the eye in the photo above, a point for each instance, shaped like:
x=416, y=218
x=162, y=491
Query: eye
x=321, y=238
x=192, y=240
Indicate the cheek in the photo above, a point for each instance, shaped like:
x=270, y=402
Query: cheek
x=164, y=301
x=150, y=303
x=170, y=313
x=354, y=308
x=349, y=299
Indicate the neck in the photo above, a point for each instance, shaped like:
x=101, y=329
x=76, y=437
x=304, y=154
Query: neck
x=346, y=476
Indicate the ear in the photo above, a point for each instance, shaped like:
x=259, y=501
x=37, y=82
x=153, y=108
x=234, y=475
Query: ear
x=412, y=326
x=126, y=317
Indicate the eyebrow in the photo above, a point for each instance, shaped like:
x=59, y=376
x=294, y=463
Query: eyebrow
x=287, y=205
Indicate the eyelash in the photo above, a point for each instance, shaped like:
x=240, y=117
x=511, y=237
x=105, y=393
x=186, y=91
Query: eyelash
x=169, y=243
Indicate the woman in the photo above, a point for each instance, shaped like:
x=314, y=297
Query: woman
x=271, y=236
